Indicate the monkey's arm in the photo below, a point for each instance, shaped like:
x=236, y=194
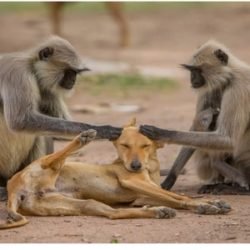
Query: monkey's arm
x=179, y=163
x=204, y=140
x=202, y=122
x=49, y=126
x=181, y=160
x=21, y=115
x=46, y=125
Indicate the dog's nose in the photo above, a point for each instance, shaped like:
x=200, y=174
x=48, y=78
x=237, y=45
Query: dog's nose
x=135, y=165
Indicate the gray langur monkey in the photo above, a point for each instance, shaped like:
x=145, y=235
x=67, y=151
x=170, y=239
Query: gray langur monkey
x=32, y=85
x=217, y=68
x=207, y=111
x=203, y=121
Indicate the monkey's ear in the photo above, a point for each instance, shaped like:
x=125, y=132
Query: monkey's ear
x=46, y=53
x=222, y=56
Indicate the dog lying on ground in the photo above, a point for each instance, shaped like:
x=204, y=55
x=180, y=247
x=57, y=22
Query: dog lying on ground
x=52, y=187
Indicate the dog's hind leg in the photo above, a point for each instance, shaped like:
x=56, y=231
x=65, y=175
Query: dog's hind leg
x=14, y=218
x=55, y=204
x=56, y=160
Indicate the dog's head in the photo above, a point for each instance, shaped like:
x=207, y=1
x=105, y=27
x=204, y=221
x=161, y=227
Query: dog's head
x=134, y=149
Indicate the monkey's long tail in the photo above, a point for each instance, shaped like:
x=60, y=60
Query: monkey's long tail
x=164, y=172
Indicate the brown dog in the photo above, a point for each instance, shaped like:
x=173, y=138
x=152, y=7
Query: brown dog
x=115, y=9
x=51, y=186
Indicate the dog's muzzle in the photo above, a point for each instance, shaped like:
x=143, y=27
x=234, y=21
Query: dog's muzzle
x=135, y=165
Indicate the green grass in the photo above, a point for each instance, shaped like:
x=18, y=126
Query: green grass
x=100, y=6
x=20, y=6
x=124, y=84
x=134, y=6
x=114, y=241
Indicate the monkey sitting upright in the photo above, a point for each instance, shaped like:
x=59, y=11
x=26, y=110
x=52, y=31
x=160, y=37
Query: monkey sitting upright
x=214, y=68
x=32, y=85
x=204, y=121
x=207, y=111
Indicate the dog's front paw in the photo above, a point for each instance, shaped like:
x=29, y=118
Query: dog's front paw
x=222, y=205
x=163, y=212
x=207, y=209
x=87, y=136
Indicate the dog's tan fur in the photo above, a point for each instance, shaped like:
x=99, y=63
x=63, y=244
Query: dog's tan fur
x=51, y=186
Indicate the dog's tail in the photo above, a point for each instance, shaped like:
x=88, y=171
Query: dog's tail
x=14, y=219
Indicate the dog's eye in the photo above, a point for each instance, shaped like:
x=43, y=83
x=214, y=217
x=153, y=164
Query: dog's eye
x=125, y=145
x=145, y=146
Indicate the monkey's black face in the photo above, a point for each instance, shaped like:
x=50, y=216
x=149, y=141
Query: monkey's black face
x=69, y=74
x=69, y=79
x=196, y=77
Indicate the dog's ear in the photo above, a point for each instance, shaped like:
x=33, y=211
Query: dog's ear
x=114, y=143
x=159, y=144
x=131, y=123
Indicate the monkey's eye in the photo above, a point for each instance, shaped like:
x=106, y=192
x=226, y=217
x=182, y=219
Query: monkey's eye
x=70, y=73
x=69, y=79
x=125, y=145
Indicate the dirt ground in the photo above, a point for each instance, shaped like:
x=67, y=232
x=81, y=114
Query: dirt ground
x=161, y=38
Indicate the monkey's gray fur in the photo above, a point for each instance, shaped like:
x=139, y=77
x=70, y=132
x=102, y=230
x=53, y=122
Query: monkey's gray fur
x=207, y=111
x=32, y=85
x=205, y=120
x=214, y=67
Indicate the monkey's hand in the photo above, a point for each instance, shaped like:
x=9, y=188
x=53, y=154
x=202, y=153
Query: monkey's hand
x=107, y=132
x=155, y=133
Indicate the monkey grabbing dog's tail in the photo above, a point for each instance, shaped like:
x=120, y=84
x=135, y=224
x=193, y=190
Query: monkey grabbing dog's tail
x=14, y=218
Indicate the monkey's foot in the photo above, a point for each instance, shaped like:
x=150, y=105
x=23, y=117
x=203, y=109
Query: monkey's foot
x=222, y=205
x=86, y=136
x=3, y=194
x=163, y=212
x=223, y=189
